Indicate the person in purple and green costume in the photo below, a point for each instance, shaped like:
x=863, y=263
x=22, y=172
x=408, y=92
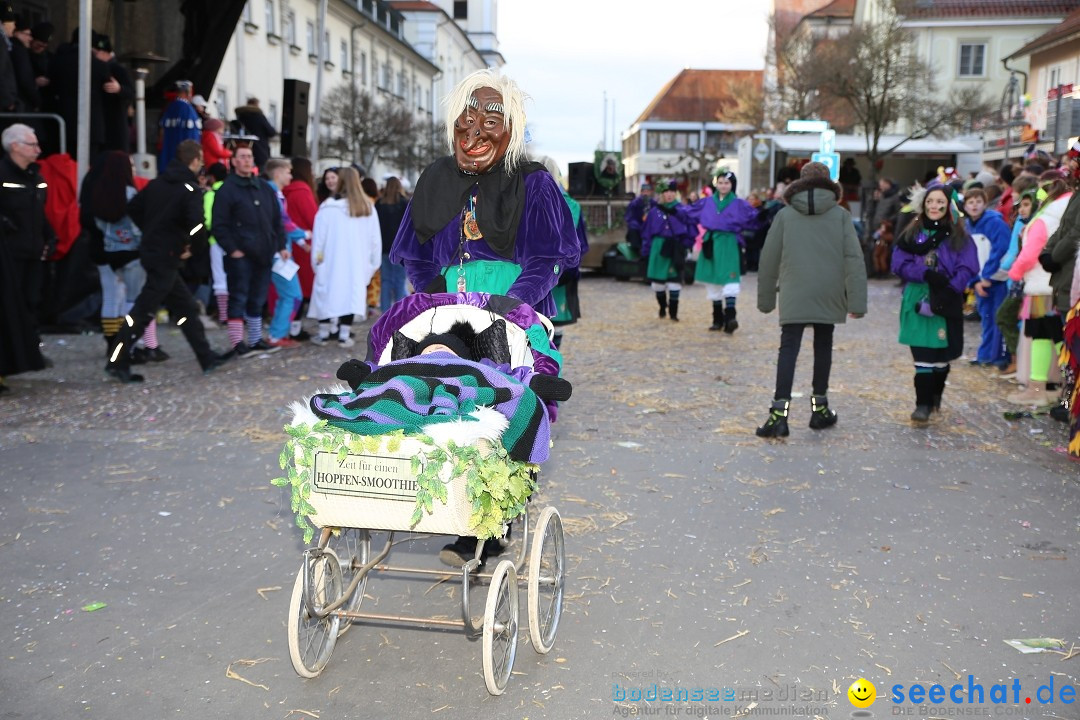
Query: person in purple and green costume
x=724, y=218
x=936, y=259
x=665, y=239
x=485, y=219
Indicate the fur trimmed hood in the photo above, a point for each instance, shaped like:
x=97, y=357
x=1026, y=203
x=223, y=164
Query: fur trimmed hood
x=812, y=196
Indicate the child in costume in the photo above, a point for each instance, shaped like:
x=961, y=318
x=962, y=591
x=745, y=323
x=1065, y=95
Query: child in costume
x=936, y=260
x=666, y=237
x=991, y=237
x=724, y=218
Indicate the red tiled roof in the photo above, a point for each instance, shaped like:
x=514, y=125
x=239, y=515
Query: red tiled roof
x=1069, y=29
x=837, y=8
x=699, y=95
x=985, y=8
x=406, y=5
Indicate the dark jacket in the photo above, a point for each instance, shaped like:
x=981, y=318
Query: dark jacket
x=247, y=217
x=9, y=91
x=255, y=123
x=1062, y=247
x=26, y=232
x=24, y=77
x=115, y=108
x=813, y=258
x=390, y=216
x=169, y=212
x=885, y=208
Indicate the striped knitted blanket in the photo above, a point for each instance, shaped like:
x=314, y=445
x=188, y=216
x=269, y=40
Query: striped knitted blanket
x=439, y=387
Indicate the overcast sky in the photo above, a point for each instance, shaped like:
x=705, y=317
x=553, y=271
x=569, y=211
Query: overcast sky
x=565, y=55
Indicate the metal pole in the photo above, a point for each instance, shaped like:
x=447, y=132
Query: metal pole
x=140, y=110
x=82, y=127
x=603, y=142
x=1058, y=150
x=316, y=130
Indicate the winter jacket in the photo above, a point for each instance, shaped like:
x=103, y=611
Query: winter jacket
x=886, y=208
x=1063, y=246
x=247, y=217
x=959, y=266
x=169, y=211
x=991, y=236
x=25, y=231
x=390, y=217
x=813, y=258
x=1044, y=224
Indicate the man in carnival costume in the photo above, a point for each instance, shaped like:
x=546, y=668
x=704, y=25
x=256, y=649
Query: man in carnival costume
x=485, y=219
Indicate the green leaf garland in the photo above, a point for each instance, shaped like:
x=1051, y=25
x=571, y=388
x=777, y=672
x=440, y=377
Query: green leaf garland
x=497, y=487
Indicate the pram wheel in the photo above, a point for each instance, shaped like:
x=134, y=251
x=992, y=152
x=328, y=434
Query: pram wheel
x=500, y=627
x=546, y=580
x=312, y=639
x=353, y=549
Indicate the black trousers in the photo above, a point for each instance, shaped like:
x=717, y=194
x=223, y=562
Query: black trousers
x=164, y=286
x=790, y=340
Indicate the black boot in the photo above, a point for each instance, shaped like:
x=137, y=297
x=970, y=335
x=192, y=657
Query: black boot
x=820, y=415
x=661, y=297
x=730, y=323
x=674, y=313
x=118, y=366
x=463, y=549
x=938, y=389
x=717, y=315
x=925, y=384
x=776, y=425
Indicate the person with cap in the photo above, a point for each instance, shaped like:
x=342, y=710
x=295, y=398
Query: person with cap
x=812, y=257
x=724, y=217
x=169, y=212
x=64, y=82
x=179, y=122
x=666, y=237
x=119, y=95
x=635, y=215
x=29, y=99
x=255, y=123
x=199, y=103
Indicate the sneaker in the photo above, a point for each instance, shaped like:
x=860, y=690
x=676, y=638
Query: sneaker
x=214, y=363
x=122, y=374
x=319, y=339
x=283, y=343
x=346, y=342
x=259, y=348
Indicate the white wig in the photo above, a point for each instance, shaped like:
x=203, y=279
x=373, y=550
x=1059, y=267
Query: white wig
x=513, y=104
x=552, y=167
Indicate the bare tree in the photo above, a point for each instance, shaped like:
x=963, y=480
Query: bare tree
x=425, y=144
x=749, y=107
x=797, y=92
x=876, y=73
x=363, y=130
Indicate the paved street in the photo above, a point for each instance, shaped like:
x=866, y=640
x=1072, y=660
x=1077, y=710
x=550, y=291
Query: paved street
x=699, y=555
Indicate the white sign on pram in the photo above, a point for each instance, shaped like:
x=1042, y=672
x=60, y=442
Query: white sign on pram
x=369, y=476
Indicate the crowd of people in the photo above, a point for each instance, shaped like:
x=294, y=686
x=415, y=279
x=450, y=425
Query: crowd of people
x=998, y=247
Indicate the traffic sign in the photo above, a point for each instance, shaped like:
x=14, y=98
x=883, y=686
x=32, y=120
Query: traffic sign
x=830, y=160
x=807, y=125
x=828, y=141
x=761, y=151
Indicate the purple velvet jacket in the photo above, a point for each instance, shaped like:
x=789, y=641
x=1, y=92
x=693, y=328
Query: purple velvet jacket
x=736, y=217
x=660, y=223
x=546, y=246
x=960, y=267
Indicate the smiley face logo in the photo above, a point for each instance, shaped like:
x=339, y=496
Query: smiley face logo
x=862, y=693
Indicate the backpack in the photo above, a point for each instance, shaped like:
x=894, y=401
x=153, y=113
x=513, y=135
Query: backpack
x=123, y=235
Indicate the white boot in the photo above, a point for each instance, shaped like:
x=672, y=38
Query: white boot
x=344, y=333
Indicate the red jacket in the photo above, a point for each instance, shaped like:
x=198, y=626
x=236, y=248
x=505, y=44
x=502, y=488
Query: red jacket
x=213, y=151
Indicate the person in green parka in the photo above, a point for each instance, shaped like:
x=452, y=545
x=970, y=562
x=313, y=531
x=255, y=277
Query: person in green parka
x=813, y=259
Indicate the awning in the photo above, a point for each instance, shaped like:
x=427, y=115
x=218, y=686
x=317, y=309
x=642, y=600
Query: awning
x=856, y=144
